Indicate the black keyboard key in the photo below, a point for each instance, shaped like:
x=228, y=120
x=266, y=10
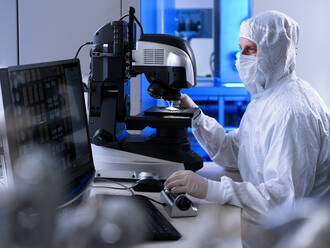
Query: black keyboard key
x=158, y=226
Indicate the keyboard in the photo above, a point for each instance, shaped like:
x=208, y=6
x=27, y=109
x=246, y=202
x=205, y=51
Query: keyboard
x=158, y=227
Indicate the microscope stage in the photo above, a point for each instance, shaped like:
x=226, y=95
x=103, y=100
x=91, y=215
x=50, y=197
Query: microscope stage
x=160, y=117
x=161, y=111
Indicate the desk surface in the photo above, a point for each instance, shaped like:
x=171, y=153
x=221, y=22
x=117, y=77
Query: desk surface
x=215, y=224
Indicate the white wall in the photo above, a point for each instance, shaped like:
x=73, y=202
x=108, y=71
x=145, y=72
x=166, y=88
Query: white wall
x=8, y=40
x=54, y=30
x=313, y=62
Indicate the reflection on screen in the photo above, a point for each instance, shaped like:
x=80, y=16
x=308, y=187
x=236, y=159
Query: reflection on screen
x=49, y=111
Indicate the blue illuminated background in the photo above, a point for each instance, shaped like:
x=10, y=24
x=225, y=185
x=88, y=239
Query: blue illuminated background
x=223, y=95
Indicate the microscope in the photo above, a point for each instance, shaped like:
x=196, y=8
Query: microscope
x=169, y=66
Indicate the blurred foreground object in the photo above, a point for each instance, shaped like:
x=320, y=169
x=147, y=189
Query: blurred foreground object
x=308, y=225
x=31, y=217
x=28, y=209
x=101, y=224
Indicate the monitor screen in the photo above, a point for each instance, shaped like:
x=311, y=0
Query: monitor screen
x=44, y=107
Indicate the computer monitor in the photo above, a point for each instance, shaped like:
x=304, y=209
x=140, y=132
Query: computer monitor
x=43, y=106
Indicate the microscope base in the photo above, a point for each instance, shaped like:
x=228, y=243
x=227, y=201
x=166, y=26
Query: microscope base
x=117, y=164
x=175, y=151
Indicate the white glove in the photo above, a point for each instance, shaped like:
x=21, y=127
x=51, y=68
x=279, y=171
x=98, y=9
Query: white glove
x=186, y=181
x=185, y=102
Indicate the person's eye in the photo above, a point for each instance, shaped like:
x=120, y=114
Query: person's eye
x=251, y=51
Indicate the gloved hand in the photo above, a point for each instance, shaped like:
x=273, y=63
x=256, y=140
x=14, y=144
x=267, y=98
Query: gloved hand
x=185, y=102
x=186, y=181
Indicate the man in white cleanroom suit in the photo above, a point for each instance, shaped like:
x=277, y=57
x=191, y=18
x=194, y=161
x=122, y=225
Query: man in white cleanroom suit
x=282, y=146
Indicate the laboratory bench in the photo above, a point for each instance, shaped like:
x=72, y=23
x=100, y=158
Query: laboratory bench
x=215, y=224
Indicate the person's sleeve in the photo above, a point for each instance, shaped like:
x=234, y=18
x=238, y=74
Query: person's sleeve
x=221, y=147
x=288, y=172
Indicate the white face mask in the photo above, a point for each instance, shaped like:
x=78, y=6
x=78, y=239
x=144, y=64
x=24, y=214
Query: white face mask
x=247, y=67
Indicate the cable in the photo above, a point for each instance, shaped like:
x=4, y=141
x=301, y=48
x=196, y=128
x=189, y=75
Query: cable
x=150, y=199
x=121, y=18
x=141, y=28
x=137, y=21
x=124, y=187
x=104, y=179
x=86, y=89
x=132, y=193
x=108, y=187
x=87, y=43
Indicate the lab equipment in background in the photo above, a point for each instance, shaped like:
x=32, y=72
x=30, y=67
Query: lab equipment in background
x=223, y=96
x=194, y=23
x=223, y=21
x=219, y=90
x=169, y=65
x=177, y=205
x=232, y=108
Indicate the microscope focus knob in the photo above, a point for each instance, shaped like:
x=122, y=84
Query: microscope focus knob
x=182, y=202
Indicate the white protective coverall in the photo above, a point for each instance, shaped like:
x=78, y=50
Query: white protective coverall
x=282, y=146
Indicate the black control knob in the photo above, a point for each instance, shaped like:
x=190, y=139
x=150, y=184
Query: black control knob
x=183, y=203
